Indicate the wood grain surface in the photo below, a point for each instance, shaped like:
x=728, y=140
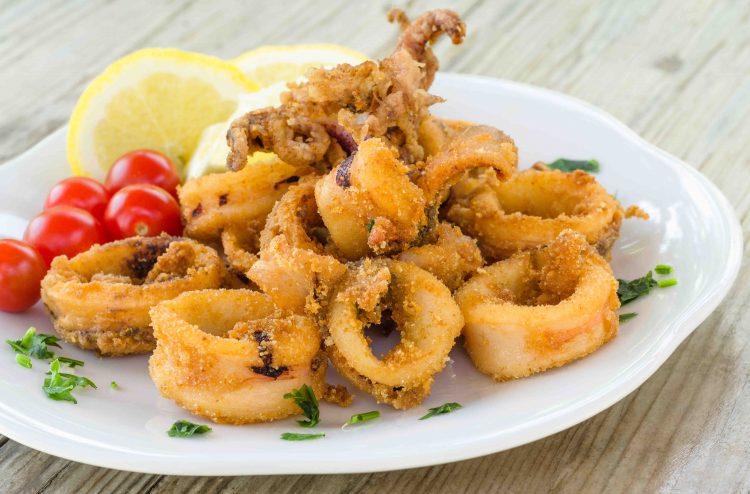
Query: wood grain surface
x=676, y=71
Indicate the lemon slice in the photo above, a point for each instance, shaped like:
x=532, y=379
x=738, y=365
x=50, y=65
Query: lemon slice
x=156, y=98
x=269, y=64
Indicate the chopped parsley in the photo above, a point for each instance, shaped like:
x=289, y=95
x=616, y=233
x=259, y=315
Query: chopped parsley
x=293, y=436
x=369, y=225
x=627, y=316
x=627, y=291
x=362, y=417
x=23, y=360
x=59, y=385
x=304, y=397
x=70, y=362
x=666, y=283
x=34, y=345
x=442, y=409
x=114, y=385
x=663, y=269
x=183, y=428
x=566, y=165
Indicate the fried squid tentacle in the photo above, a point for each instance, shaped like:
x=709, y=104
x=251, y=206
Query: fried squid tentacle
x=425, y=30
x=387, y=100
x=295, y=138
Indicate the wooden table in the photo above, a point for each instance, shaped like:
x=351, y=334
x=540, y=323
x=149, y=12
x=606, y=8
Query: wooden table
x=676, y=71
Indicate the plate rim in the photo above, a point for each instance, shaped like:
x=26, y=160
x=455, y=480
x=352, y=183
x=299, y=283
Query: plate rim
x=543, y=427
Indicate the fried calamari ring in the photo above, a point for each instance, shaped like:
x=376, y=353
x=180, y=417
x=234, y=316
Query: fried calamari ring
x=211, y=203
x=241, y=246
x=370, y=192
x=296, y=266
x=452, y=258
x=99, y=300
x=479, y=146
x=231, y=355
x=531, y=209
x=370, y=203
x=539, y=309
x=426, y=316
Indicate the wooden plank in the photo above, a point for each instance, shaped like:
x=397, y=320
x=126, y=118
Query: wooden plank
x=677, y=72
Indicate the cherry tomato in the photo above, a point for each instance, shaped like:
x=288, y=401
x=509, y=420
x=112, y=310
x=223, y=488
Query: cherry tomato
x=79, y=192
x=21, y=271
x=64, y=230
x=143, y=167
x=144, y=210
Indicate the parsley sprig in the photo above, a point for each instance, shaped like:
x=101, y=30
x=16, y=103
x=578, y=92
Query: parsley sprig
x=60, y=385
x=34, y=345
x=183, y=428
x=627, y=291
x=305, y=398
x=442, y=409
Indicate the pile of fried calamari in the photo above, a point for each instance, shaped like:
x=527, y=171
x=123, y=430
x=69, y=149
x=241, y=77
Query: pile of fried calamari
x=375, y=217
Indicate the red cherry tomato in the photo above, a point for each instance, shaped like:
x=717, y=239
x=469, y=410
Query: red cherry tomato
x=144, y=210
x=143, y=167
x=21, y=271
x=64, y=230
x=79, y=192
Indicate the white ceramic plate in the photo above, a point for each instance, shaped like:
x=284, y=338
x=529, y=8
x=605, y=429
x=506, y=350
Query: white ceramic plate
x=692, y=227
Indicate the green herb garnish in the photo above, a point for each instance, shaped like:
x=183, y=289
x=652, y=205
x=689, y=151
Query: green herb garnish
x=566, y=165
x=23, y=360
x=183, y=428
x=59, y=385
x=293, y=436
x=666, y=283
x=362, y=417
x=442, y=409
x=34, y=345
x=369, y=225
x=627, y=291
x=114, y=385
x=627, y=316
x=663, y=269
x=70, y=362
x=304, y=397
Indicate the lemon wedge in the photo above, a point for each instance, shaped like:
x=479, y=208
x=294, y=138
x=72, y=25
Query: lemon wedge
x=270, y=64
x=156, y=98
